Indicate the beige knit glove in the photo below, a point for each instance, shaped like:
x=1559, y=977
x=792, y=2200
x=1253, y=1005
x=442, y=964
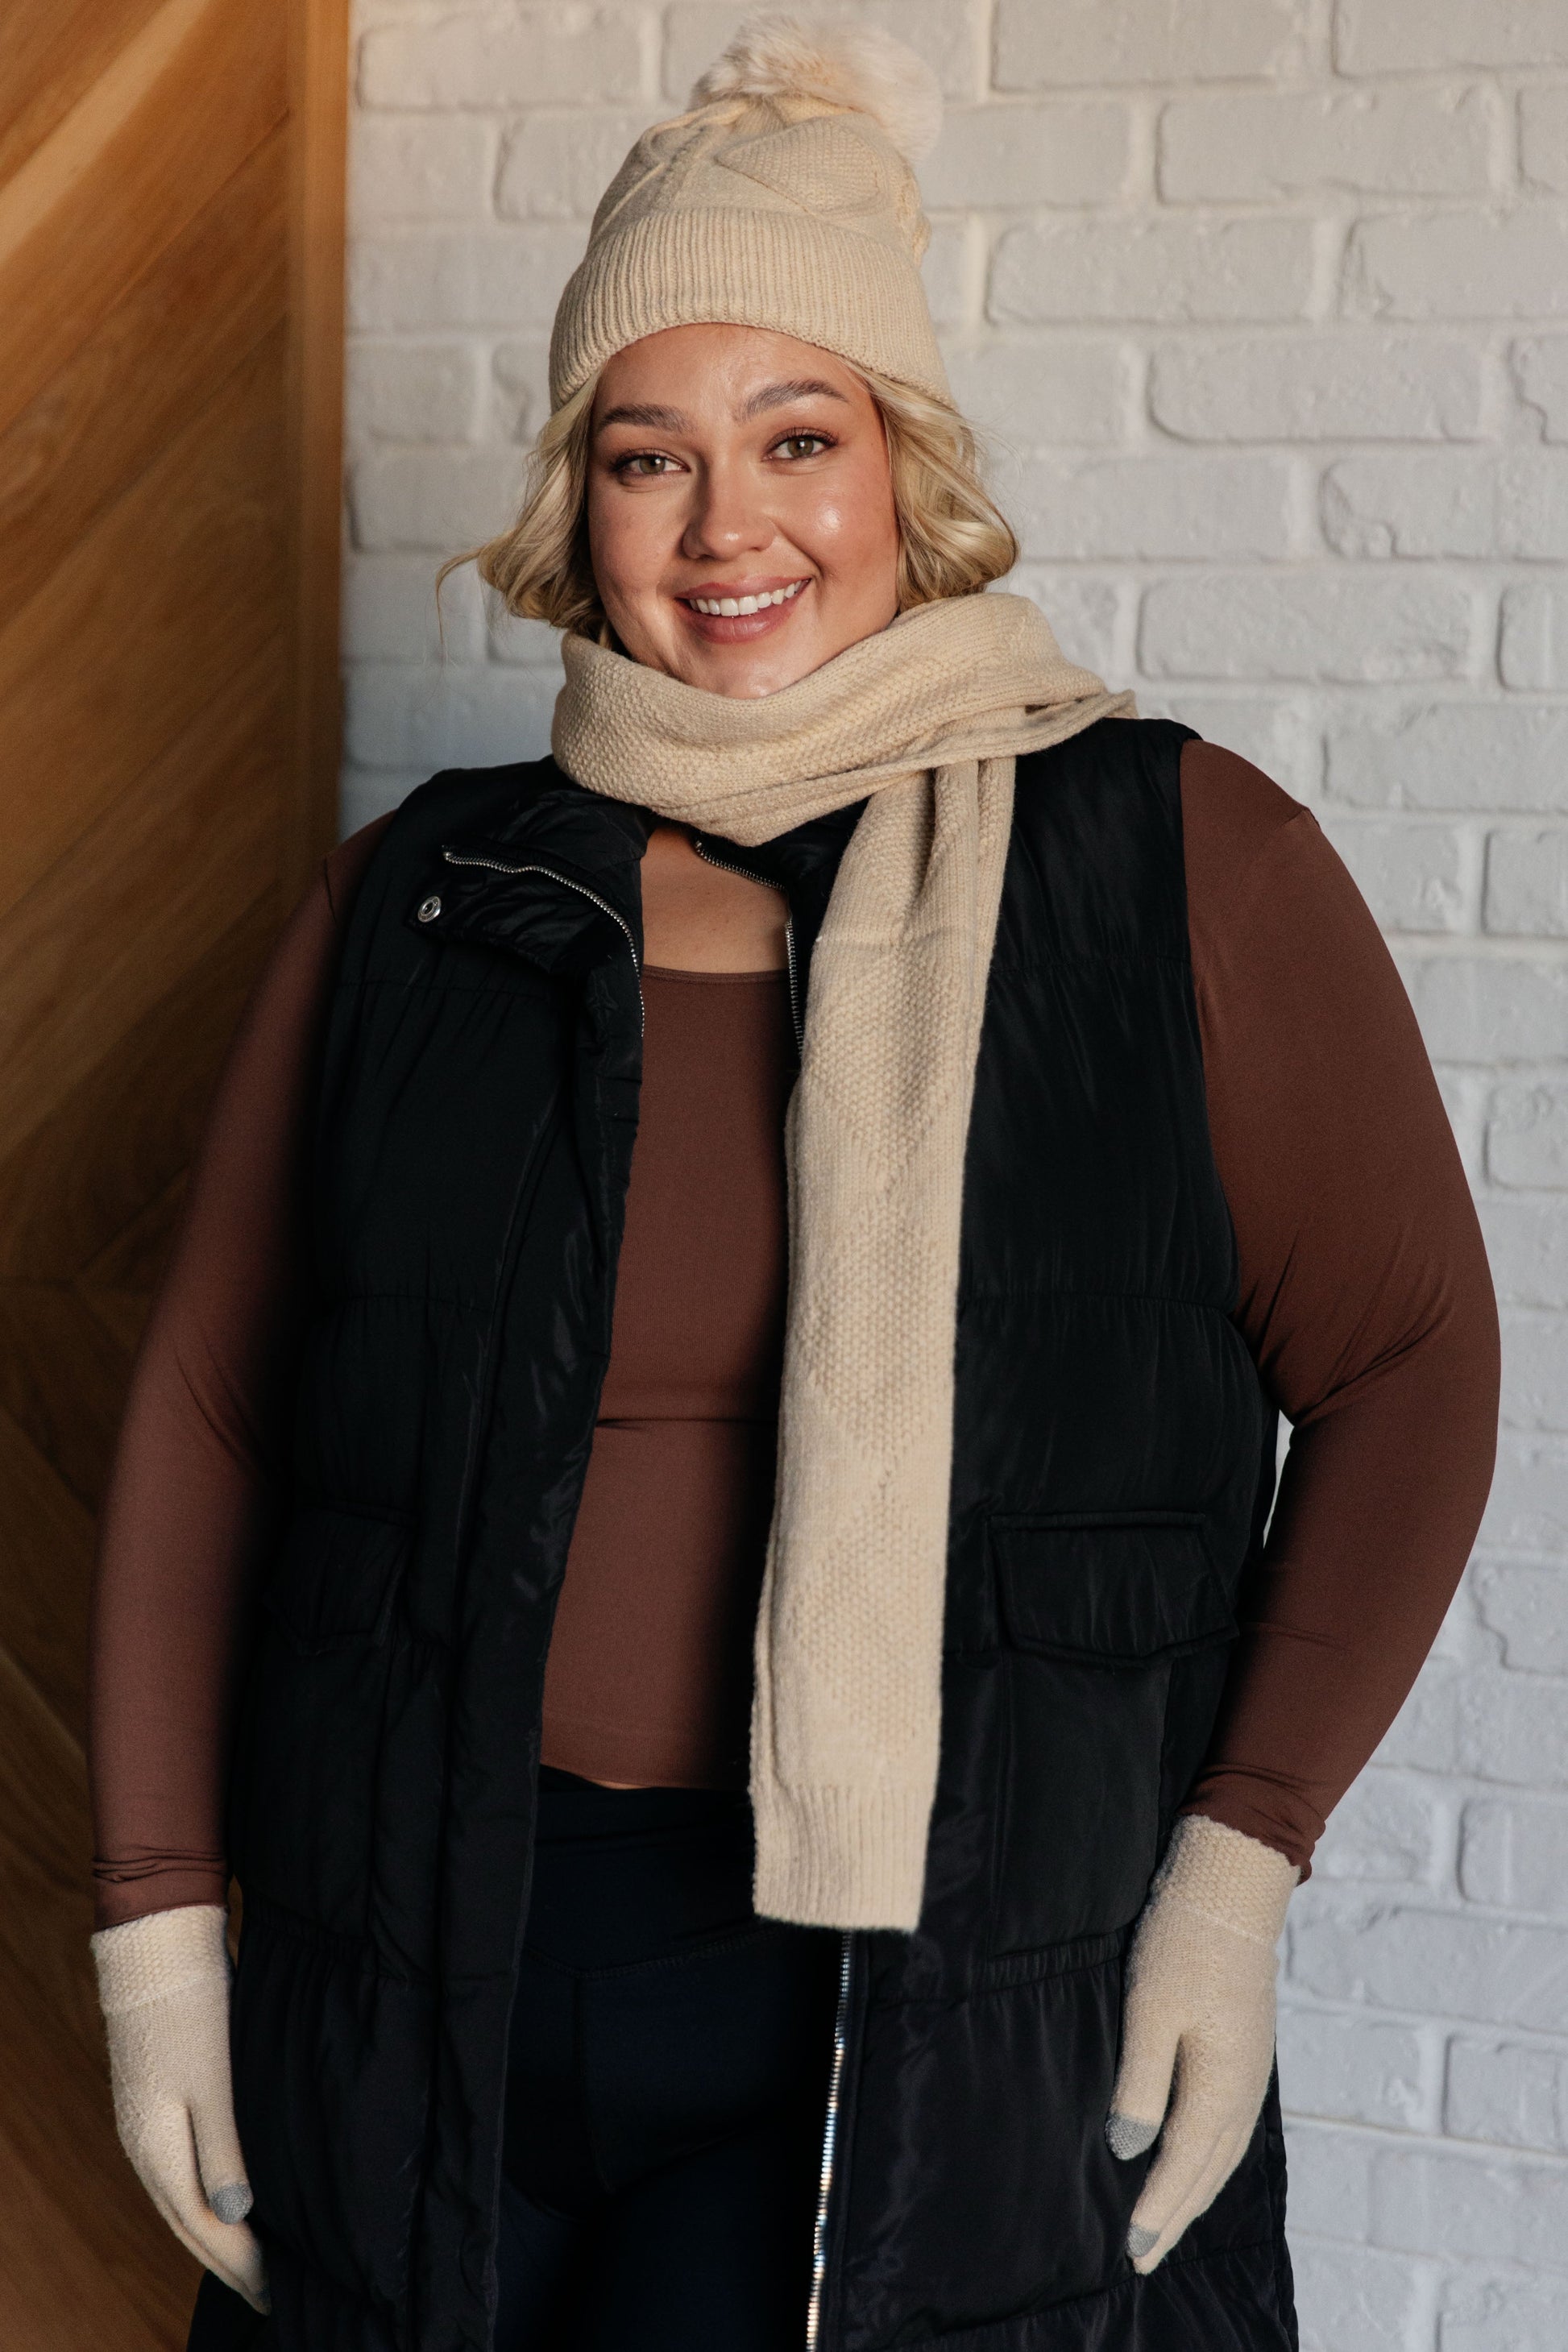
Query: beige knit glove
x=1200, y=2007
x=164, y=1983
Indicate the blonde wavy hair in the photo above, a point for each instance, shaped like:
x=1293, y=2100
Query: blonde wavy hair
x=953, y=539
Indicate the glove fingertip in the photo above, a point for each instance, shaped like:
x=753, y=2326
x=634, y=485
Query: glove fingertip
x=232, y=2201
x=1127, y=2136
x=1141, y=2242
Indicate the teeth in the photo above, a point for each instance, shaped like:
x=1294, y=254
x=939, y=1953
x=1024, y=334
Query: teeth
x=730, y=607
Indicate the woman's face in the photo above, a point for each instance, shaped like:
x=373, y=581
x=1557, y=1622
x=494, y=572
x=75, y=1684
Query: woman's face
x=729, y=466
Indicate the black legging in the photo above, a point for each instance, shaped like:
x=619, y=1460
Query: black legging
x=666, y=2086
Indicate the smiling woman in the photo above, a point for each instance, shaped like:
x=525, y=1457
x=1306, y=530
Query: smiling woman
x=778, y=1716
x=854, y=432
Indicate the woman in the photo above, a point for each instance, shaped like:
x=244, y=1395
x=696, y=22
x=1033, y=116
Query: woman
x=566, y=2012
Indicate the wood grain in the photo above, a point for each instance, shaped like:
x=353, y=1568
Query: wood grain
x=155, y=361
x=171, y=265
x=113, y=185
x=181, y=583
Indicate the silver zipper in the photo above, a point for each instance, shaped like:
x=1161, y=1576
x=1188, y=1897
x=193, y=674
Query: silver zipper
x=829, y=2145
x=728, y=866
x=498, y=865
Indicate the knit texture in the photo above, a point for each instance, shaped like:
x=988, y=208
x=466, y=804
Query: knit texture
x=782, y=199
x=926, y=718
x=1197, y=2042
x=163, y=1986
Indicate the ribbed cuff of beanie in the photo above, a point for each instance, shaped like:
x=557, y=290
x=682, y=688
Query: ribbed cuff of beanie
x=840, y=1857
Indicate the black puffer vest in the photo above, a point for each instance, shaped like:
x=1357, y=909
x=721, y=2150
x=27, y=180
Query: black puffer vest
x=1113, y=1465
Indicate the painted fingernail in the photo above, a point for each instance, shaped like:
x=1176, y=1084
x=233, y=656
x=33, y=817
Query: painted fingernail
x=1125, y=2135
x=1140, y=2240
x=232, y=2203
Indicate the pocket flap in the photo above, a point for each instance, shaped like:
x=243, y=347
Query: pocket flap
x=336, y=1576
x=1110, y=1587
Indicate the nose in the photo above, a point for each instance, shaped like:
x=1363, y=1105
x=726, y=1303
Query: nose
x=727, y=517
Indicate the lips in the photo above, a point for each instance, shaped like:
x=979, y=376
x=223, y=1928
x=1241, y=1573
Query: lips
x=737, y=607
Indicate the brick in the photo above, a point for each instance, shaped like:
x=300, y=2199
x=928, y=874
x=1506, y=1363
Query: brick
x=1258, y=145
x=509, y=278
x=530, y=645
x=389, y=610
x=1001, y=156
x=439, y=498
x=1340, y=2067
x=1085, y=612
x=1507, y=2314
x=435, y=167
x=1544, y=136
x=1041, y=44
x=1275, y=732
x=1370, y=37
x=1385, y=1827
x=951, y=274
x=1460, y=264
x=410, y=392
x=1149, y=508
x=1330, y=2183
x=1527, y=1509
x=396, y=715
x=557, y=166
x=1510, y=2094
x=365, y=793
x=1515, y=2210
x=1070, y=389
x=1527, y=1136
x=1535, y=1390
x=521, y=387
x=1353, y=2298
x=1338, y=625
x=1439, y=502
x=1169, y=269
x=942, y=31
x=1413, y=876
x=1470, y=1007
x=1455, y=755
x=1441, y=1963
x=1513, y=1853
x=1532, y=636
x=1527, y=884
x=1354, y=386
x=530, y=57
x=1527, y=1244
x=1540, y=368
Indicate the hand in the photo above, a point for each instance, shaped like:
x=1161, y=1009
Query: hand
x=1200, y=2009
x=163, y=1982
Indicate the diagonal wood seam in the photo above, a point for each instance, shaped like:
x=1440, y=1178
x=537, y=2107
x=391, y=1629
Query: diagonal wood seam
x=74, y=146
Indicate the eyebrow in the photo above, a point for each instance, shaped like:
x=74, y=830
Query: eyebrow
x=655, y=419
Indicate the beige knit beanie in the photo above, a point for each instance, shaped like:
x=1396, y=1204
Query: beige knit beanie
x=784, y=198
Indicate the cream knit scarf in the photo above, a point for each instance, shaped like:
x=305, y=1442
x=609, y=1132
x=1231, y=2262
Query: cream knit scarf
x=926, y=718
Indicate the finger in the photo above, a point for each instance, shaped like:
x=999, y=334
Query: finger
x=166, y=2159
x=218, y=2159
x=1142, y=2091
x=1159, y=2219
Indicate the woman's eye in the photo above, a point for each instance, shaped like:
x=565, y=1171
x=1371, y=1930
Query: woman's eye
x=801, y=444
x=643, y=462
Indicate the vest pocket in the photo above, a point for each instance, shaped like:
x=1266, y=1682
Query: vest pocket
x=335, y=1579
x=1098, y=1610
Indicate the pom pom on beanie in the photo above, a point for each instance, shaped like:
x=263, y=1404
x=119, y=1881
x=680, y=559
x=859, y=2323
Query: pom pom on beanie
x=857, y=67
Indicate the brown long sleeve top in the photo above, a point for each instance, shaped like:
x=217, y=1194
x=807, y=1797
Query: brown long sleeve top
x=1364, y=1297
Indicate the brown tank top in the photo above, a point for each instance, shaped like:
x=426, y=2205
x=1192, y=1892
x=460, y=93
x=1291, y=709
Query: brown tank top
x=649, y=1673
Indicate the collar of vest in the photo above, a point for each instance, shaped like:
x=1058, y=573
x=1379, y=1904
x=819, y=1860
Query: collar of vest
x=555, y=876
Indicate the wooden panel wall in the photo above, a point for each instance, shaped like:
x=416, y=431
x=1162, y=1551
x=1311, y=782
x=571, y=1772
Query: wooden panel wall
x=171, y=334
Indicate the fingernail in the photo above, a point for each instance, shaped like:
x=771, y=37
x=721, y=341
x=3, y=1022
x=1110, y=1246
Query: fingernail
x=232, y=2202
x=1140, y=2240
x=1125, y=2135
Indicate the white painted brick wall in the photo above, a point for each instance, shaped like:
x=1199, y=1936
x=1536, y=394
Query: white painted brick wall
x=1265, y=303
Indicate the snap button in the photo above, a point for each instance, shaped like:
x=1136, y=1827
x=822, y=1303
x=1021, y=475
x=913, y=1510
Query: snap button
x=429, y=908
